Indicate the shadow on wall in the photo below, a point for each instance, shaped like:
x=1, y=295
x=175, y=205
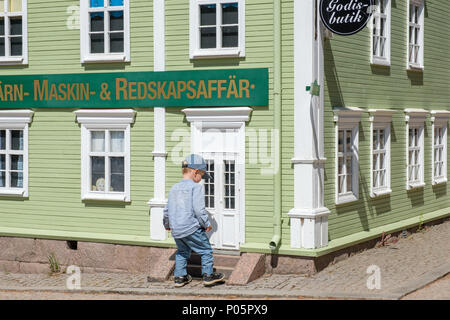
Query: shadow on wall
x=416, y=197
x=331, y=77
x=440, y=190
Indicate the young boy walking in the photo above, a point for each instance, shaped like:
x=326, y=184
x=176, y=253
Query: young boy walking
x=186, y=216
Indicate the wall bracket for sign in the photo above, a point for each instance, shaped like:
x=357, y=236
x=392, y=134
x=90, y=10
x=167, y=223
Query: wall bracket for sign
x=314, y=89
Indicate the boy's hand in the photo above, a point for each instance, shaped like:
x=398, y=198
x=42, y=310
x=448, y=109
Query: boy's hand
x=208, y=229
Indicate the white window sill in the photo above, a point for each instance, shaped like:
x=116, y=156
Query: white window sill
x=216, y=53
x=347, y=198
x=13, y=192
x=120, y=197
x=415, y=67
x=380, y=192
x=415, y=185
x=439, y=181
x=104, y=58
x=12, y=61
x=380, y=62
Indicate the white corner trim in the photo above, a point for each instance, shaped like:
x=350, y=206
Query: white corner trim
x=238, y=114
x=106, y=116
x=16, y=116
x=309, y=213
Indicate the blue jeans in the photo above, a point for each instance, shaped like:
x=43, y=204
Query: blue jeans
x=199, y=243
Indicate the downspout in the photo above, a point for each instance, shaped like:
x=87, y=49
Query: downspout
x=276, y=239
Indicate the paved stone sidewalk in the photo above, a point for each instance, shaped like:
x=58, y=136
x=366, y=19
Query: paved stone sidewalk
x=405, y=266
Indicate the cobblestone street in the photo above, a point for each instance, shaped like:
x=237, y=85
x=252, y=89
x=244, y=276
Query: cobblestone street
x=405, y=266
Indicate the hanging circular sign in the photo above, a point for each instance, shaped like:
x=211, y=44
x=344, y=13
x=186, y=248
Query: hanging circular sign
x=345, y=17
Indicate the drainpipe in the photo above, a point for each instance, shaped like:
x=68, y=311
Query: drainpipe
x=276, y=239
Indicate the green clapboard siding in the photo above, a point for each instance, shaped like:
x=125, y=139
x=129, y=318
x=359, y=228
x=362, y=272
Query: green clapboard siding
x=350, y=80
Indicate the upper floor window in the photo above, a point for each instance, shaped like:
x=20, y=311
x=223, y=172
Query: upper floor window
x=14, y=152
x=13, y=32
x=105, y=32
x=381, y=32
x=439, y=120
x=416, y=34
x=217, y=28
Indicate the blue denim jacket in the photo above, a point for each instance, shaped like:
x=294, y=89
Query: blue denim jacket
x=185, y=211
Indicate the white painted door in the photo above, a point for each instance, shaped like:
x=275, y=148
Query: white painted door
x=222, y=199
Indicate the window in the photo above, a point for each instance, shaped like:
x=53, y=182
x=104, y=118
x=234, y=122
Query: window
x=380, y=151
x=347, y=155
x=217, y=28
x=13, y=32
x=105, y=159
x=415, y=34
x=105, y=31
x=439, y=155
x=381, y=34
x=14, y=152
x=415, y=148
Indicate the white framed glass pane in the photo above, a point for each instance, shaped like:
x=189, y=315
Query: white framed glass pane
x=15, y=26
x=348, y=147
x=2, y=162
x=98, y=141
x=375, y=162
x=375, y=179
x=230, y=37
x=97, y=43
x=15, y=5
x=2, y=139
x=207, y=38
x=2, y=179
x=2, y=47
x=117, y=141
x=341, y=141
x=341, y=184
x=97, y=3
x=98, y=173
x=349, y=183
x=230, y=13
x=208, y=15
x=97, y=22
x=16, y=140
x=15, y=46
x=114, y=3
x=348, y=165
x=116, y=21
x=117, y=165
x=116, y=42
x=2, y=5
x=16, y=179
x=16, y=162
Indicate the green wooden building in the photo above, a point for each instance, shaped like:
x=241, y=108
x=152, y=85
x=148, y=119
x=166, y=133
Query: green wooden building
x=100, y=100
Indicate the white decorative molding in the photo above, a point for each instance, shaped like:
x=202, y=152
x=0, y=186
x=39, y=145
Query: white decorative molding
x=416, y=115
x=439, y=116
x=347, y=114
x=230, y=114
x=105, y=116
x=380, y=115
x=16, y=116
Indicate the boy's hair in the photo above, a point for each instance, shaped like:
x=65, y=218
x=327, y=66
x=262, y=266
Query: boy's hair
x=186, y=170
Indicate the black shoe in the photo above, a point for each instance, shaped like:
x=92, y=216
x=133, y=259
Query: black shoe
x=211, y=279
x=181, y=281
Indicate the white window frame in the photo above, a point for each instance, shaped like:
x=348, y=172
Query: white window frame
x=381, y=119
x=348, y=119
x=421, y=22
x=375, y=27
x=86, y=56
x=415, y=118
x=439, y=119
x=194, y=34
x=15, y=60
x=17, y=120
x=98, y=120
